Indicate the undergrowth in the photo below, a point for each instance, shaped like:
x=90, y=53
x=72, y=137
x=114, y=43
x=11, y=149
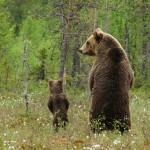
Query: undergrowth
x=33, y=129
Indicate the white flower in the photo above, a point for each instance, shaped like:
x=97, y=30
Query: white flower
x=5, y=134
x=87, y=137
x=96, y=145
x=11, y=147
x=15, y=132
x=116, y=142
x=75, y=147
x=24, y=141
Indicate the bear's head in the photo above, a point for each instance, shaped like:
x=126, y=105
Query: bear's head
x=92, y=43
x=56, y=86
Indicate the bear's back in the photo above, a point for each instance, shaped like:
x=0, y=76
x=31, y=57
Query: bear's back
x=111, y=87
x=59, y=102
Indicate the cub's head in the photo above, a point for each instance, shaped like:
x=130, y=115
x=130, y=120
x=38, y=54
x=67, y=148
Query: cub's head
x=91, y=44
x=55, y=86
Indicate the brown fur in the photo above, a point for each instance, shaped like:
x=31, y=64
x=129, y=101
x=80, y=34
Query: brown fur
x=110, y=80
x=58, y=103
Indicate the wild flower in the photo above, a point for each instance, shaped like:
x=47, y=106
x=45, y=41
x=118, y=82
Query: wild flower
x=6, y=142
x=75, y=147
x=5, y=134
x=11, y=147
x=95, y=135
x=86, y=147
x=16, y=132
x=13, y=141
x=87, y=137
x=79, y=106
x=96, y=146
x=115, y=142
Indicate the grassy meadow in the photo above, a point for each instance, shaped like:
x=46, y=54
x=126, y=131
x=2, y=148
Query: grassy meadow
x=34, y=131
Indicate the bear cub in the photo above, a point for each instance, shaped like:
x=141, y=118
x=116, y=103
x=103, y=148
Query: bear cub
x=110, y=80
x=58, y=103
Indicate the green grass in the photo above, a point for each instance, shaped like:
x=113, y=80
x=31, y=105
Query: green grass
x=33, y=130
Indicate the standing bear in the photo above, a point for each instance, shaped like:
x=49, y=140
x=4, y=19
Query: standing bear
x=110, y=80
x=58, y=103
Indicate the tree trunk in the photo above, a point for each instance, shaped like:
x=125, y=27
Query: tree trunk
x=25, y=76
x=65, y=39
x=90, y=17
x=127, y=40
x=144, y=40
x=76, y=58
x=41, y=73
x=7, y=74
x=107, y=10
x=95, y=17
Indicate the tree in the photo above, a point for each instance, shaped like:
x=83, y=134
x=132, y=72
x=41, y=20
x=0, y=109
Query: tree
x=65, y=18
x=76, y=36
x=145, y=37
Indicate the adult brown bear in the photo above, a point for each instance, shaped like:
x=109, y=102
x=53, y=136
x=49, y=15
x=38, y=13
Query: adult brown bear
x=58, y=103
x=110, y=80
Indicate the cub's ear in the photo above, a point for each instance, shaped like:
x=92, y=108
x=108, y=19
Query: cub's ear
x=60, y=80
x=50, y=81
x=97, y=35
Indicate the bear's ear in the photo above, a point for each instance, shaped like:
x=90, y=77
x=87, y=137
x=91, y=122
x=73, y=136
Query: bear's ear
x=60, y=80
x=97, y=35
x=50, y=81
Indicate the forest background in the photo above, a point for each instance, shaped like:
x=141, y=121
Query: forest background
x=39, y=39
x=53, y=31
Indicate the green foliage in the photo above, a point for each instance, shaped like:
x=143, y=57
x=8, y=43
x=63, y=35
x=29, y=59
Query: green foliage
x=40, y=26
